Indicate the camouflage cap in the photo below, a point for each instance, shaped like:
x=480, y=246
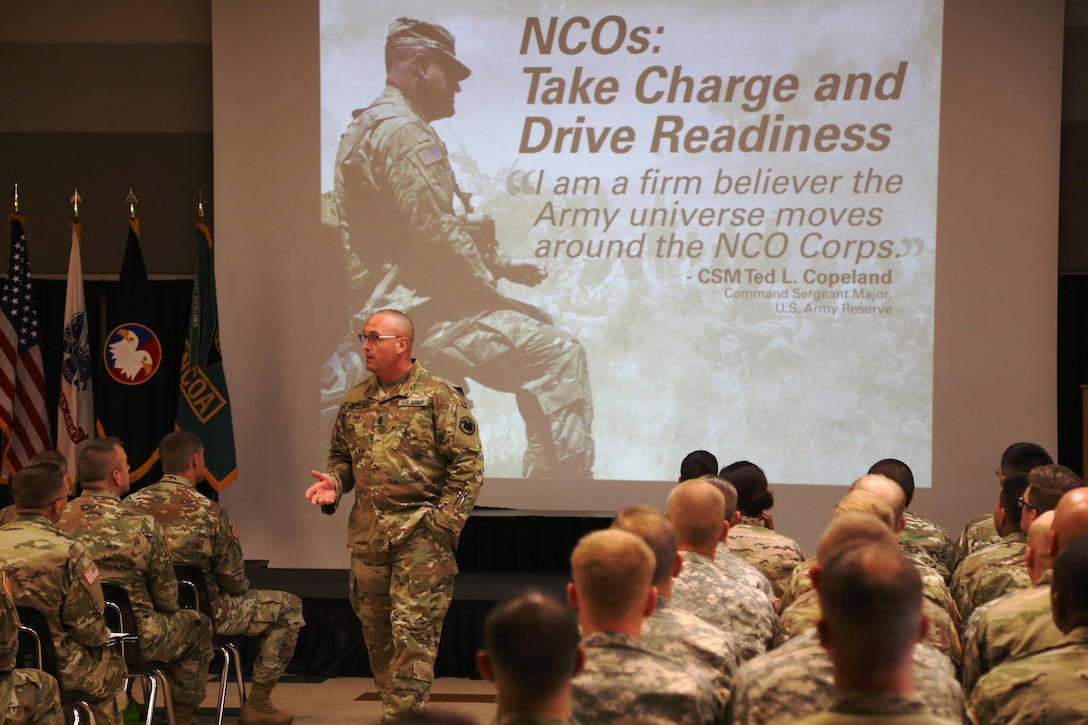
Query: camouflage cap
x=416, y=33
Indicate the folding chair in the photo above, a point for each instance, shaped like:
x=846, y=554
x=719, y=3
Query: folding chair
x=122, y=622
x=36, y=650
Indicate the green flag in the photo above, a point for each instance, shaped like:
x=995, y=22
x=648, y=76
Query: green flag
x=203, y=403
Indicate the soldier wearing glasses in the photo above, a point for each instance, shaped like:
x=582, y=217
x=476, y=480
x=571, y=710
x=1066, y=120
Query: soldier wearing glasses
x=407, y=444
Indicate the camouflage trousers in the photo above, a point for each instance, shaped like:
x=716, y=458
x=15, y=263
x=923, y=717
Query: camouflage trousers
x=401, y=598
x=275, y=617
x=182, y=639
x=99, y=672
x=543, y=366
x=29, y=696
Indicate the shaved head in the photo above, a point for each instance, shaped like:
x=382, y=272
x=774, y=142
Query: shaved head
x=697, y=511
x=886, y=488
x=612, y=572
x=1070, y=520
x=853, y=529
x=866, y=502
x=651, y=526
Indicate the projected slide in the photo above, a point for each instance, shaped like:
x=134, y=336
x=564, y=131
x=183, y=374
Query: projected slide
x=683, y=225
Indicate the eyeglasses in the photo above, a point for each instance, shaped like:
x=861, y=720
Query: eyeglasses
x=374, y=337
x=1025, y=504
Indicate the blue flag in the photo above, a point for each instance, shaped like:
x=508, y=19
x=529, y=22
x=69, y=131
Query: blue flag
x=138, y=405
x=203, y=403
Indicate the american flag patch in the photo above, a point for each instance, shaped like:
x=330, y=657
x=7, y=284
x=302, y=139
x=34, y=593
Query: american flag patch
x=431, y=155
x=91, y=575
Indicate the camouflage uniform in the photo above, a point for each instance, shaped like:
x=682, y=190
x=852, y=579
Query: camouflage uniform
x=795, y=680
x=740, y=571
x=130, y=550
x=26, y=695
x=199, y=532
x=773, y=554
x=802, y=615
x=1047, y=686
x=926, y=541
x=622, y=679
x=990, y=573
x=979, y=532
x=394, y=193
x=411, y=451
x=53, y=572
x=861, y=708
x=735, y=608
x=683, y=637
x=1007, y=628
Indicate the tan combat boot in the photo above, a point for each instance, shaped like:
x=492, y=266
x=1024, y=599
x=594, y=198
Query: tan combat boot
x=184, y=714
x=259, y=708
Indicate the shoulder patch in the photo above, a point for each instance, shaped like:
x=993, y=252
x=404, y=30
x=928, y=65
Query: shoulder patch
x=431, y=154
x=91, y=575
x=467, y=425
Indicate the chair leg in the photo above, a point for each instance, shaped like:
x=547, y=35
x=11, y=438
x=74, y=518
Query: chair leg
x=167, y=697
x=151, y=694
x=221, y=705
x=238, y=677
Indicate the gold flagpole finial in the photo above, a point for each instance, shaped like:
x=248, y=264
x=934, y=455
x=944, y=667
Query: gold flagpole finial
x=76, y=198
x=15, y=198
x=132, y=202
x=200, y=201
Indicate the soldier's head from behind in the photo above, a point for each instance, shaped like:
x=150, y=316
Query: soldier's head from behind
x=729, y=494
x=1008, y=509
x=387, y=340
x=888, y=490
x=182, y=454
x=871, y=615
x=1069, y=592
x=1046, y=486
x=897, y=471
x=865, y=502
x=651, y=526
x=421, y=61
x=53, y=457
x=697, y=512
x=612, y=589
x=750, y=482
x=698, y=463
x=851, y=528
x=40, y=489
x=532, y=649
x=103, y=464
x=1021, y=458
x=1070, y=520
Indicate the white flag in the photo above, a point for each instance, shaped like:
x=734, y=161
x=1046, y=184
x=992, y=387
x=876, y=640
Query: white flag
x=75, y=414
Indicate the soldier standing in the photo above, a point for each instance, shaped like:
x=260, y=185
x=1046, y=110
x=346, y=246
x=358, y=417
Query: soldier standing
x=406, y=442
x=408, y=248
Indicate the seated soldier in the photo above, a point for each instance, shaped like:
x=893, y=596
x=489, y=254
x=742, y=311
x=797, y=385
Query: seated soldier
x=130, y=551
x=612, y=594
x=8, y=512
x=920, y=538
x=54, y=573
x=26, y=695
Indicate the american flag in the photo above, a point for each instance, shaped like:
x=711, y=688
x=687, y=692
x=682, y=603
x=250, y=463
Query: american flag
x=23, y=417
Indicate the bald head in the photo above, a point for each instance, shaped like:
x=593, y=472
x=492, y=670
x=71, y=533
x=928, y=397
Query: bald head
x=853, y=529
x=697, y=511
x=651, y=526
x=866, y=502
x=1070, y=520
x=397, y=323
x=612, y=572
x=886, y=488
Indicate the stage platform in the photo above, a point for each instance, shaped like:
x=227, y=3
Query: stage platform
x=500, y=553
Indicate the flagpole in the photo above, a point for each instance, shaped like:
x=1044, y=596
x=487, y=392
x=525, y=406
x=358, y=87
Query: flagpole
x=15, y=199
x=200, y=201
x=76, y=198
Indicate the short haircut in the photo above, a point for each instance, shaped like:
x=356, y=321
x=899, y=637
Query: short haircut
x=1022, y=457
x=697, y=511
x=871, y=599
x=748, y=479
x=612, y=572
x=177, y=449
x=897, y=471
x=886, y=488
x=402, y=323
x=1070, y=518
x=1071, y=575
x=651, y=526
x=698, y=463
x=853, y=529
x=1049, y=483
x=728, y=491
x=866, y=502
x=1039, y=540
x=37, y=486
x=97, y=459
x=53, y=457
x=1012, y=488
x=532, y=642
